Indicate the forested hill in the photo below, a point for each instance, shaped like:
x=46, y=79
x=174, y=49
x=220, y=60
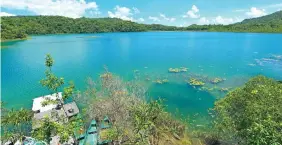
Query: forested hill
x=270, y=24
x=275, y=18
x=19, y=27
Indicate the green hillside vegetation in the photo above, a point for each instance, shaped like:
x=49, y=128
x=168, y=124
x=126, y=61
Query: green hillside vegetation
x=19, y=27
x=270, y=23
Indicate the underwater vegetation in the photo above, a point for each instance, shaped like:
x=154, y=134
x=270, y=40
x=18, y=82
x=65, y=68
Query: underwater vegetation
x=196, y=82
x=201, y=82
x=217, y=80
x=215, y=88
x=161, y=81
x=177, y=70
x=106, y=76
x=272, y=59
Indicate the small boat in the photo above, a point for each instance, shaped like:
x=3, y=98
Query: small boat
x=105, y=123
x=92, y=134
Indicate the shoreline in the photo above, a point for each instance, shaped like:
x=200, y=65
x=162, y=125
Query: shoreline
x=30, y=35
x=17, y=39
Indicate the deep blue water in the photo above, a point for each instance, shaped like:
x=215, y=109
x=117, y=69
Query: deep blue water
x=233, y=56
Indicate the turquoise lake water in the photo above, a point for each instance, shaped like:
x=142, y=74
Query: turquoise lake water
x=233, y=56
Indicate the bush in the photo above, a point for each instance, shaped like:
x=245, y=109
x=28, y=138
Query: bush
x=252, y=114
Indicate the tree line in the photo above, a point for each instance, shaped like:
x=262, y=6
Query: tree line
x=19, y=27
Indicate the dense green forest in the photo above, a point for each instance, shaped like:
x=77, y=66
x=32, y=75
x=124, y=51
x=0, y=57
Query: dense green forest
x=19, y=27
x=270, y=23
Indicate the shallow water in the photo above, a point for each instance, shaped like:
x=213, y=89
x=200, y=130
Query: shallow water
x=233, y=56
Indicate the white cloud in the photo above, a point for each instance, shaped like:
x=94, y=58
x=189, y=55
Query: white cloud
x=203, y=21
x=195, y=9
x=122, y=13
x=239, y=10
x=68, y=8
x=94, y=13
x=218, y=20
x=141, y=19
x=136, y=11
x=163, y=16
x=6, y=14
x=255, y=12
x=185, y=24
x=156, y=19
x=193, y=13
x=222, y=20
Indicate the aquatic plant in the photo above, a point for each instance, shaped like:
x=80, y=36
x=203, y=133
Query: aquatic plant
x=165, y=80
x=106, y=76
x=217, y=80
x=177, y=70
x=183, y=69
x=224, y=89
x=195, y=82
x=160, y=81
x=173, y=70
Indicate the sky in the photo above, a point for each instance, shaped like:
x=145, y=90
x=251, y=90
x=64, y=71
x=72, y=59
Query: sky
x=167, y=12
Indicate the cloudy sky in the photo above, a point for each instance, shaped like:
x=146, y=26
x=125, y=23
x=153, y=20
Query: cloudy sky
x=168, y=12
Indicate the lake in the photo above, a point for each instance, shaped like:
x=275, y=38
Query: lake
x=234, y=57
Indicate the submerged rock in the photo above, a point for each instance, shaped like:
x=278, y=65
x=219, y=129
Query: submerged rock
x=159, y=81
x=195, y=82
x=177, y=70
x=217, y=80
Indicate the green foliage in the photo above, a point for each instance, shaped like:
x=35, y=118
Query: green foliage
x=20, y=26
x=271, y=23
x=51, y=81
x=45, y=131
x=48, y=101
x=252, y=114
x=13, y=27
x=68, y=91
x=135, y=121
x=49, y=61
x=50, y=128
x=15, y=123
x=109, y=134
x=145, y=117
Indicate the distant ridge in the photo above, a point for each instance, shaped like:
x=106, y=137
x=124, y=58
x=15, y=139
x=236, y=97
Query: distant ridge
x=268, y=19
x=266, y=24
x=19, y=27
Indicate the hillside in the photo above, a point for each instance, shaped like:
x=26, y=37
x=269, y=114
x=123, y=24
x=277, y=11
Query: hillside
x=275, y=18
x=19, y=27
x=270, y=23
